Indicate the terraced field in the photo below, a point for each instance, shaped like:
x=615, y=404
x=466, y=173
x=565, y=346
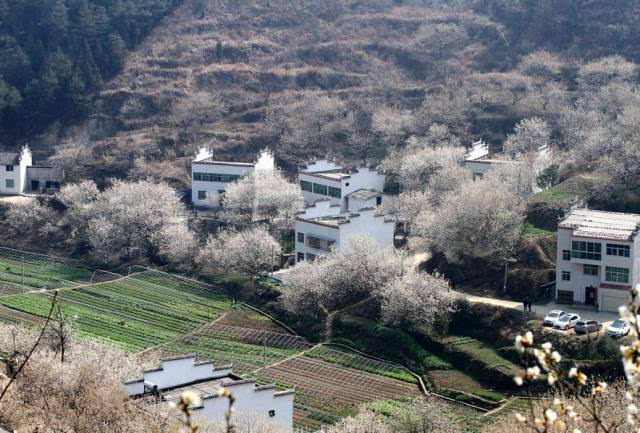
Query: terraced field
x=133, y=313
x=18, y=274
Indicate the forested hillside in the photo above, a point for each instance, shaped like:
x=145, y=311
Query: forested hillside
x=57, y=54
x=348, y=78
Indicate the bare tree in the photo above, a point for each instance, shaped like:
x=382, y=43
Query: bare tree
x=61, y=332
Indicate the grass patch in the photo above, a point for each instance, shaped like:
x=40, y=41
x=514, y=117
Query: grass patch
x=579, y=187
x=531, y=231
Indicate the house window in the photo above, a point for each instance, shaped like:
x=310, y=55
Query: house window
x=313, y=242
x=618, y=250
x=202, y=195
x=311, y=257
x=590, y=269
x=301, y=237
x=586, y=250
x=566, y=276
x=319, y=189
x=272, y=413
x=9, y=167
x=566, y=255
x=378, y=201
x=306, y=186
x=10, y=183
x=335, y=192
x=300, y=257
x=477, y=176
x=617, y=275
x=216, y=177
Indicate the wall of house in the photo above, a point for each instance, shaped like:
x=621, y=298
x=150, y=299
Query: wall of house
x=363, y=178
x=579, y=281
x=367, y=223
x=213, y=189
x=310, y=197
x=250, y=402
x=354, y=205
x=176, y=372
x=325, y=233
x=42, y=175
x=13, y=175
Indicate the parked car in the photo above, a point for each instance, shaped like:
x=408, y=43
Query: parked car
x=619, y=328
x=566, y=321
x=551, y=317
x=587, y=326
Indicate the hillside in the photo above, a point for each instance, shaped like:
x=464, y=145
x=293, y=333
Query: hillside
x=229, y=75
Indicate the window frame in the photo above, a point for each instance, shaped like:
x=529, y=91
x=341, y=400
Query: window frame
x=566, y=255
x=300, y=237
x=591, y=270
x=13, y=183
x=334, y=192
x=9, y=167
x=317, y=187
x=300, y=257
x=304, y=187
x=618, y=250
x=591, y=250
x=613, y=274
x=202, y=195
x=565, y=276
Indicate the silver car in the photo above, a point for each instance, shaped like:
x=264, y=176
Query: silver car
x=552, y=316
x=587, y=326
x=567, y=321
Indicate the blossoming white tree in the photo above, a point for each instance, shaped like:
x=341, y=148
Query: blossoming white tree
x=250, y=252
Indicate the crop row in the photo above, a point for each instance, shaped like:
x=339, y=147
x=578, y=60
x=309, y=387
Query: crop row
x=42, y=274
x=358, y=362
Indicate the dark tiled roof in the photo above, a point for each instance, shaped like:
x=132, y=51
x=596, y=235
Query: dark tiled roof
x=9, y=158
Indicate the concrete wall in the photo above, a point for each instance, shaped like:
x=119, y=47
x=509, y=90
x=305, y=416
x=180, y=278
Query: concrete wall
x=579, y=281
x=251, y=401
x=42, y=174
x=355, y=205
x=212, y=188
x=321, y=165
x=367, y=223
x=176, y=372
x=310, y=197
x=364, y=178
x=318, y=230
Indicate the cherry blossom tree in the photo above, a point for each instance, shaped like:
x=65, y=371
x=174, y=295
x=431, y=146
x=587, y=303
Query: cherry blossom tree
x=250, y=252
x=529, y=135
x=418, y=301
x=350, y=274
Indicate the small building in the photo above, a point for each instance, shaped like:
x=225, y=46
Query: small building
x=210, y=178
x=324, y=180
x=13, y=171
x=598, y=258
x=184, y=373
x=324, y=225
x=43, y=179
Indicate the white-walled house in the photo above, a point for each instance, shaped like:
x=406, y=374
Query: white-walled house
x=13, y=171
x=598, y=260
x=184, y=373
x=324, y=225
x=210, y=178
x=324, y=180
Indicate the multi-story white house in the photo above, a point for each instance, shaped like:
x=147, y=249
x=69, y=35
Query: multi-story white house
x=210, y=178
x=324, y=180
x=184, y=373
x=598, y=258
x=13, y=171
x=324, y=225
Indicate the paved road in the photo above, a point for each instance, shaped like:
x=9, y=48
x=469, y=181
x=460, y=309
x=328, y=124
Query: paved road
x=542, y=310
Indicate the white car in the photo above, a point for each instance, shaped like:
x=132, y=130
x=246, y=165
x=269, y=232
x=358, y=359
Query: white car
x=566, y=321
x=551, y=317
x=619, y=328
